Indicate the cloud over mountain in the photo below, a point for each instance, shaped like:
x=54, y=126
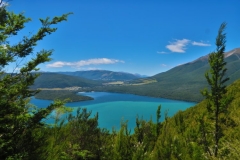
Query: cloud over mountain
x=81, y=63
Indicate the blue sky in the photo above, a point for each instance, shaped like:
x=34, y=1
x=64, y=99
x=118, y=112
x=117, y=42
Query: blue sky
x=136, y=36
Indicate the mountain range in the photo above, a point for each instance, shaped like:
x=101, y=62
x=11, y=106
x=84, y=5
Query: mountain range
x=194, y=70
x=90, y=78
x=189, y=78
x=55, y=80
x=103, y=75
x=183, y=82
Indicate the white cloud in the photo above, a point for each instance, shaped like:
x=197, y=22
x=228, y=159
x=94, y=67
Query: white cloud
x=81, y=63
x=163, y=65
x=178, y=46
x=200, y=44
x=56, y=64
x=162, y=52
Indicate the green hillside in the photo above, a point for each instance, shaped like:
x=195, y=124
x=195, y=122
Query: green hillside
x=208, y=131
x=68, y=95
x=182, y=82
x=185, y=136
x=54, y=80
x=194, y=71
x=185, y=129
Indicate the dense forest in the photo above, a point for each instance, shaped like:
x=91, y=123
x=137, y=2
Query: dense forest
x=187, y=135
x=64, y=95
x=55, y=80
x=209, y=130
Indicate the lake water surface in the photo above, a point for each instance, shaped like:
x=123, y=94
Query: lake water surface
x=115, y=107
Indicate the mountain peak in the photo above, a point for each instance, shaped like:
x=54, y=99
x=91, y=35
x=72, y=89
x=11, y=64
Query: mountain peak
x=235, y=51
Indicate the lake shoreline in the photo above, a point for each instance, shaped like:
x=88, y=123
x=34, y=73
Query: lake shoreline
x=115, y=108
x=74, y=95
x=64, y=95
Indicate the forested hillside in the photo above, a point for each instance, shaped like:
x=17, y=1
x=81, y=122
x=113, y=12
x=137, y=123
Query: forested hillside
x=182, y=82
x=187, y=135
x=61, y=94
x=54, y=80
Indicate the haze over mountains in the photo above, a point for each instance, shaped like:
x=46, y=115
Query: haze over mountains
x=103, y=75
x=183, y=82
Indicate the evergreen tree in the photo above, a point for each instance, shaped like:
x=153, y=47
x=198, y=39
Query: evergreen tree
x=158, y=125
x=216, y=78
x=19, y=122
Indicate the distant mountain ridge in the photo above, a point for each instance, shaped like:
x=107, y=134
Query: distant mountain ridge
x=183, y=82
x=55, y=80
x=234, y=52
x=191, y=76
x=103, y=75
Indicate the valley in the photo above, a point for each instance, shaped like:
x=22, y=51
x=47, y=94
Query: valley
x=182, y=82
x=78, y=94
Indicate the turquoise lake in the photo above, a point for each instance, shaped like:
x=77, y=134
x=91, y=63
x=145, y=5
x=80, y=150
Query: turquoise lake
x=115, y=107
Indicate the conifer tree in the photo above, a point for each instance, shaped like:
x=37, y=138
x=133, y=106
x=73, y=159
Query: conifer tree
x=216, y=78
x=19, y=123
x=158, y=125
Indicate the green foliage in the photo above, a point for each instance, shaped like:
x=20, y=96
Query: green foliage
x=187, y=135
x=68, y=95
x=86, y=132
x=54, y=80
x=180, y=137
x=20, y=134
x=77, y=139
x=218, y=101
x=158, y=127
x=123, y=143
x=145, y=137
